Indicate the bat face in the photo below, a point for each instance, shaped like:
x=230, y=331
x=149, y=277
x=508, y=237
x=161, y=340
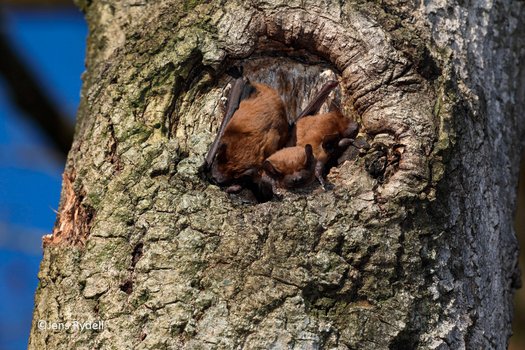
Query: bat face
x=219, y=169
x=291, y=167
x=224, y=171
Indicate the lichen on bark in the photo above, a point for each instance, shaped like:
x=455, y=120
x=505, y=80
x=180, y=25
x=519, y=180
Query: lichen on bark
x=171, y=261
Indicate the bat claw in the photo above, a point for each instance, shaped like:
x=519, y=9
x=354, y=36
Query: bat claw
x=322, y=183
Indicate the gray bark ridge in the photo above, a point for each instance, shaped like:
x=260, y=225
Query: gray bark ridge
x=420, y=259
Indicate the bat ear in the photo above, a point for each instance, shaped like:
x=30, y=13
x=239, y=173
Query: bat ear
x=310, y=160
x=251, y=172
x=265, y=190
x=270, y=170
x=330, y=142
x=247, y=90
x=221, y=153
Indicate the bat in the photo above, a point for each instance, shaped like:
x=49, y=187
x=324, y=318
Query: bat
x=254, y=127
x=318, y=139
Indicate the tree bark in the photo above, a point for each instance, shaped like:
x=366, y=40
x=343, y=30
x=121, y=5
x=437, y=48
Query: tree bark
x=421, y=256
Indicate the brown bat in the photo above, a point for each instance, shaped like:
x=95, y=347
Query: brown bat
x=254, y=127
x=319, y=138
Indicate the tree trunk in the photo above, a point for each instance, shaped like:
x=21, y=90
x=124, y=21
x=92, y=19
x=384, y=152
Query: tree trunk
x=421, y=255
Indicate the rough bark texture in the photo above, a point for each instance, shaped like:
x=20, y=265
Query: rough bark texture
x=422, y=257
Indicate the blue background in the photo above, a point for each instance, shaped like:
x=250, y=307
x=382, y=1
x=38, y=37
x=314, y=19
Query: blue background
x=52, y=43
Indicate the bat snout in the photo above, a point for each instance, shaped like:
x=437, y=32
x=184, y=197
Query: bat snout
x=218, y=177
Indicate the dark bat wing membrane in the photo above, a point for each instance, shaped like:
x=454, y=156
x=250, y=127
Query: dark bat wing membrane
x=240, y=90
x=312, y=108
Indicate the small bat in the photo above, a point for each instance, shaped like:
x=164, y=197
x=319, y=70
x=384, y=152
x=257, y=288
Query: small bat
x=328, y=134
x=318, y=139
x=254, y=127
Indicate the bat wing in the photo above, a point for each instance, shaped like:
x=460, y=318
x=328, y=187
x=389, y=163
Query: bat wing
x=237, y=93
x=314, y=105
x=312, y=108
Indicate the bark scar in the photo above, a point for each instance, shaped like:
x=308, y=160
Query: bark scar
x=75, y=218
